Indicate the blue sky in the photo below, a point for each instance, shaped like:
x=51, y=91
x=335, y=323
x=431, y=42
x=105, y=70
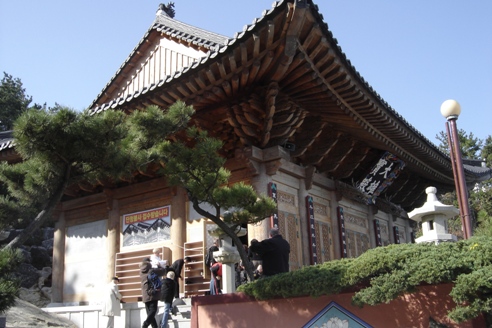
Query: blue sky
x=415, y=54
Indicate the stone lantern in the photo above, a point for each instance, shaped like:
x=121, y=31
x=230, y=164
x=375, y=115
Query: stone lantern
x=228, y=255
x=434, y=216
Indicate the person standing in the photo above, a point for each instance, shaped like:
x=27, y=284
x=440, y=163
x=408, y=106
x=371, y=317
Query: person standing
x=274, y=253
x=177, y=267
x=210, y=254
x=150, y=299
x=168, y=292
x=216, y=272
x=156, y=260
x=111, y=305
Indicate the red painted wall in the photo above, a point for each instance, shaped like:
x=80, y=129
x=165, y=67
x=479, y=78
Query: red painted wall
x=238, y=310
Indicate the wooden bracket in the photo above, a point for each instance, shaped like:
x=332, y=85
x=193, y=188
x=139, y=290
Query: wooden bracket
x=273, y=166
x=309, y=171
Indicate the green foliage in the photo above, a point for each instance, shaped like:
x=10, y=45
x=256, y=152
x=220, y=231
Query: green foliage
x=9, y=260
x=486, y=153
x=61, y=147
x=470, y=145
x=13, y=101
x=480, y=197
x=385, y=273
x=194, y=163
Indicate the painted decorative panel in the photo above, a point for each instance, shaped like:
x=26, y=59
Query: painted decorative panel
x=336, y=316
x=147, y=226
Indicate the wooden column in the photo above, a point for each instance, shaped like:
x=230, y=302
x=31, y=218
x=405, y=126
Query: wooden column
x=113, y=239
x=178, y=223
x=58, y=260
x=178, y=228
x=260, y=183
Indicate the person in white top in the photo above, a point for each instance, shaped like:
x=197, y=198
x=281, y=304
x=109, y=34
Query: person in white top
x=156, y=261
x=111, y=305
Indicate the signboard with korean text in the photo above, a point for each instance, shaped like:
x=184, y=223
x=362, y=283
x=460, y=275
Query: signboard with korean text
x=311, y=230
x=381, y=176
x=377, y=233
x=341, y=232
x=147, y=226
x=272, y=192
x=396, y=233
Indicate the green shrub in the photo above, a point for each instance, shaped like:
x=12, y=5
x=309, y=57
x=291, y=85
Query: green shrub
x=384, y=273
x=9, y=286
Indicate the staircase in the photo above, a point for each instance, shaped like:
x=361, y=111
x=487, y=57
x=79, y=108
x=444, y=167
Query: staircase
x=182, y=315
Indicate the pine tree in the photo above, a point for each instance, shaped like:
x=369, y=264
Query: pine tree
x=194, y=163
x=61, y=147
x=13, y=101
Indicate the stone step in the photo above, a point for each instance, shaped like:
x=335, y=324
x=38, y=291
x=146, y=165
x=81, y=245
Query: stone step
x=182, y=314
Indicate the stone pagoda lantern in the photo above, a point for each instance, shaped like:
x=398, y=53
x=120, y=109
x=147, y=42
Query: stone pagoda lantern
x=228, y=255
x=434, y=216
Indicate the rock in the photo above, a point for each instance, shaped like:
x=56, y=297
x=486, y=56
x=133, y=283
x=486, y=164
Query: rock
x=46, y=292
x=33, y=296
x=24, y=314
x=40, y=257
x=26, y=255
x=45, y=278
x=48, y=244
x=48, y=233
x=28, y=275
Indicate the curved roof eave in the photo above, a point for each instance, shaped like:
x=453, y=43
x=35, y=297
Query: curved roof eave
x=407, y=130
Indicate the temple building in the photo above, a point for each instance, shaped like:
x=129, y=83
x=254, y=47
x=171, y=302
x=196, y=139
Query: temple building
x=298, y=122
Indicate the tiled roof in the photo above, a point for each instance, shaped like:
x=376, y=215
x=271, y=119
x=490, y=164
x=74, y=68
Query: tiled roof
x=175, y=29
x=188, y=33
x=218, y=45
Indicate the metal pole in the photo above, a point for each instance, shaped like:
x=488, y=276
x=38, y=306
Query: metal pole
x=456, y=182
x=463, y=192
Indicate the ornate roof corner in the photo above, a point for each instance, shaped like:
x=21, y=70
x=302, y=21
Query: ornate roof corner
x=167, y=10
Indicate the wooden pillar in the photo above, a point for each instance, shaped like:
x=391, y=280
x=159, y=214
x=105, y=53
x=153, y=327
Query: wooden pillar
x=178, y=223
x=260, y=181
x=113, y=239
x=58, y=260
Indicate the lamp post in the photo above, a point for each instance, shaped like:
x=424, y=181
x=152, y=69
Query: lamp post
x=451, y=109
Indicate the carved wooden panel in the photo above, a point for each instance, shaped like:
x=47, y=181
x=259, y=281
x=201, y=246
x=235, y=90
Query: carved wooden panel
x=288, y=224
x=286, y=198
x=357, y=243
x=324, y=247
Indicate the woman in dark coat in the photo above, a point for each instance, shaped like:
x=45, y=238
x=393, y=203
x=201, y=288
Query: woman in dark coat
x=150, y=301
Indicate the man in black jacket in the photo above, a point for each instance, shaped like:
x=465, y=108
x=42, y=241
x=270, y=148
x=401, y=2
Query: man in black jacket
x=168, y=290
x=274, y=253
x=177, y=267
x=150, y=301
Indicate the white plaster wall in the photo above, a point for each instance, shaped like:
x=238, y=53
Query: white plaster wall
x=86, y=257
